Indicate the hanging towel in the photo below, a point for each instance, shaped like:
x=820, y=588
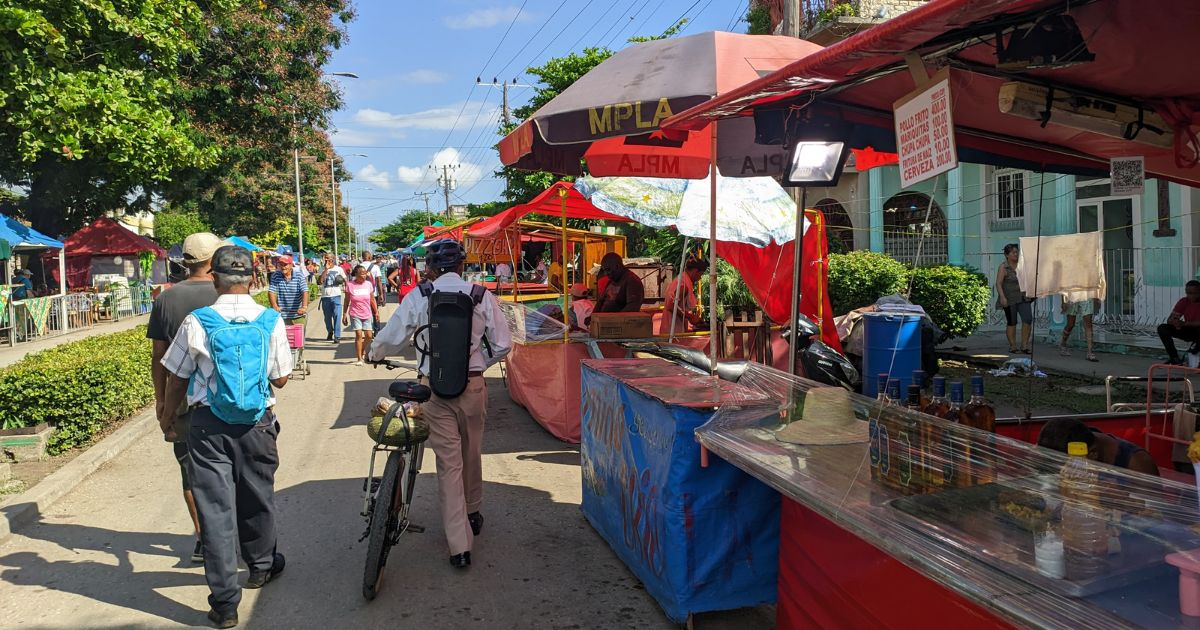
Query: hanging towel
x=39, y=312
x=1071, y=264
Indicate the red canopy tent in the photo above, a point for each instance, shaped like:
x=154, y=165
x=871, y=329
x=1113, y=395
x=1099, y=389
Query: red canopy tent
x=1137, y=64
x=548, y=203
x=100, y=243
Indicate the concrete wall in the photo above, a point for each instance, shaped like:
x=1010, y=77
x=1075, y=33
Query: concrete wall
x=891, y=8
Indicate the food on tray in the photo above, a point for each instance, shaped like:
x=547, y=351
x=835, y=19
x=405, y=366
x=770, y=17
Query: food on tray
x=1027, y=516
x=1194, y=449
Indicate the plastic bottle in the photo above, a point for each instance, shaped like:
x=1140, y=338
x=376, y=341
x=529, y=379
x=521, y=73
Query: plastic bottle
x=1084, y=530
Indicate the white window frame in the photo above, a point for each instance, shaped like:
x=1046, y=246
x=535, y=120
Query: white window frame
x=997, y=207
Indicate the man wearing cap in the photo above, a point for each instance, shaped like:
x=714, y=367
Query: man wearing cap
x=25, y=288
x=233, y=459
x=455, y=424
x=333, y=285
x=170, y=309
x=288, y=290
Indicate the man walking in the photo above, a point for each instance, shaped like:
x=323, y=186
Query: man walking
x=231, y=352
x=333, y=284
x=288, y=291
x=455, y=424
x=170, y=309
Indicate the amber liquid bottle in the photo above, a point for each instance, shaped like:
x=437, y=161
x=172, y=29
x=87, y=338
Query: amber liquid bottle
x=921, y=380
x=952, y=450
x=931, y=442
x=939, y=404
x=981, y=415
x=873, y=425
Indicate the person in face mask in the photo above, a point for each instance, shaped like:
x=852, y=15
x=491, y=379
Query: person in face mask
x=624, y=292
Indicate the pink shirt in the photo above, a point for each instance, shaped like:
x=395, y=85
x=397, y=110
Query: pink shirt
x=360, y=294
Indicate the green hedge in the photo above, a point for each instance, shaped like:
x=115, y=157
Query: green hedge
x=78, y=387
x=955, y=298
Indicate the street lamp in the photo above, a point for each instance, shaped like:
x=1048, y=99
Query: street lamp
x=349, y=209
x=334, y=201
x=296, y=165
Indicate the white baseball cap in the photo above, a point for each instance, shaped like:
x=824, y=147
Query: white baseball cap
x=200, y=247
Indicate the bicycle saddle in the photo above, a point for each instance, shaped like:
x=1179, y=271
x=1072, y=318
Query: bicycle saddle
x=409, y=391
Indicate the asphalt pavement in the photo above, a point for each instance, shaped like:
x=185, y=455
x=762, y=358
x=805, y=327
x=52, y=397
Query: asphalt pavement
x=114, y=552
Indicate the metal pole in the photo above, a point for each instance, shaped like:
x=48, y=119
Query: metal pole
x=562, y=196
x=299, y=218
x=798, y=250
x=333, y=202
x=712, y=252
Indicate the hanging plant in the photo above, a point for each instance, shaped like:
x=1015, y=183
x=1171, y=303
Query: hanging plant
x=146, y=263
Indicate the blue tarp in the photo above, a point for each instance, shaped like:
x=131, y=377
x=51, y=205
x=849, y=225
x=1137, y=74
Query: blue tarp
x=699, y=539
x=241, y=242
x=19, y=236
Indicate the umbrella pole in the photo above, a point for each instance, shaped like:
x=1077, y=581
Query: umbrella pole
x=712, y=252
x=798, y=250
x=562, y=196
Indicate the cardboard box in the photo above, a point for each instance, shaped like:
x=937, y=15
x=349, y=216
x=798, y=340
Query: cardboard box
x=622, y=326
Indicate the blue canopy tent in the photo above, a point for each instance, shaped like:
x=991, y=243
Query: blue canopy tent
x=22, y=239
x=241, y=242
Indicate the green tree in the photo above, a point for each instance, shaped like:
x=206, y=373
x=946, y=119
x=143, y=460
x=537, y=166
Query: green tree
x=758, y=18
x=172, y=226
x=402, y=231
x=85, y=102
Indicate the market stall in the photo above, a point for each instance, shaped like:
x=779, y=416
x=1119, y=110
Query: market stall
x=105, y=249
x=35, y=315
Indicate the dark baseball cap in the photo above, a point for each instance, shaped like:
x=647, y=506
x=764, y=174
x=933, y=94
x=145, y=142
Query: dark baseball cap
x=233, y=261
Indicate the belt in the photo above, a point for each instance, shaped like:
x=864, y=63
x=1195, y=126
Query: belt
x=473, y=373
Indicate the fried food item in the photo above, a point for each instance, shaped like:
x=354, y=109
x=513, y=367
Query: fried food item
x=1030, y=517
x=1194, y=449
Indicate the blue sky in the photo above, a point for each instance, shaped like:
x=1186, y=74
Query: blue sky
x=413, y=105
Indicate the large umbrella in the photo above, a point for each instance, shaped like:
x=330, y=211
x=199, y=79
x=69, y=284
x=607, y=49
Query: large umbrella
x=752, y=210
x=610, y=115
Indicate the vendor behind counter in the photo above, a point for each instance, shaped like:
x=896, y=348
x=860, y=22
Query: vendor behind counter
x=1102, y=447
x=624, y=292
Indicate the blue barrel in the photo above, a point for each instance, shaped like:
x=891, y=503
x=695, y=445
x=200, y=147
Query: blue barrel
x=892, y=345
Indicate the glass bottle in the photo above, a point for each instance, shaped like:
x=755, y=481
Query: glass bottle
x=952, y=451
x=893, y=390
x=875, y=449
x=939, y=404
x=921, y=380
x=1084, y=530
x=978, y=413
x=881, y=389
x=914, y=397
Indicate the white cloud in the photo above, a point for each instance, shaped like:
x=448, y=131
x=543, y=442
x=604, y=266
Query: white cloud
x=465, y=174
x=355, y=137
x=485, y=18
x=371, y=175
x=438, y=118
x=422, y=76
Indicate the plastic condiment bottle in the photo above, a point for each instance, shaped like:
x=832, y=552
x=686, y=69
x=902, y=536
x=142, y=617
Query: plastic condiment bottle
x=1084, y=530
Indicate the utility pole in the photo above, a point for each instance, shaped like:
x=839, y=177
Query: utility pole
x=505, y=111
x=426, y=196
x=446, y=182
x=791, y=18
x=333, y=202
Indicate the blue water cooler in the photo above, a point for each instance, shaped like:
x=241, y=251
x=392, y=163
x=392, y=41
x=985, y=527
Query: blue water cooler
x=891, y=345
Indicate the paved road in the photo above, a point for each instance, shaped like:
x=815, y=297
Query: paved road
x=112, y=553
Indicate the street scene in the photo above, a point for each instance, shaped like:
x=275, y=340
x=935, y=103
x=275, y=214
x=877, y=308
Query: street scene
x=752, y=314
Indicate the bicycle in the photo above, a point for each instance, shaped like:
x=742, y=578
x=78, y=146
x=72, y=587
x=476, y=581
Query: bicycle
x=386, y=501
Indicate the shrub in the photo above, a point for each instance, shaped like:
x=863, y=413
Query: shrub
x=78, y=387
x=954, y=298
x=859, y=278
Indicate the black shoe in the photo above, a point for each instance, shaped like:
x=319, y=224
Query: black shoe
x=1174, y=361
x=223, y=620
x=259, y=578
x=461, y=561
x=329, y=337
x=198, y=552
x=476, y=521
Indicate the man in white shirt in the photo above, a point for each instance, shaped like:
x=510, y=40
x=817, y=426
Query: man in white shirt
x=232, y=464
x=680, y=300
x=504, y=272
x=455, y=424
x=333, y=285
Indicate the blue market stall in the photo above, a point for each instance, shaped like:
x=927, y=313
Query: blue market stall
x=699, y=538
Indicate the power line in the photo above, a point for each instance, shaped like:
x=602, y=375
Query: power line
x=615, y=23
x=738, y=12
x=693, y=18
x=627, y=25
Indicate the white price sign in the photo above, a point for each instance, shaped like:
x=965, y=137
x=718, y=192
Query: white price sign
x=925, y=131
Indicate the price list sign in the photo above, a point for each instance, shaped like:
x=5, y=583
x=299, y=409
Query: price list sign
x=925, y=131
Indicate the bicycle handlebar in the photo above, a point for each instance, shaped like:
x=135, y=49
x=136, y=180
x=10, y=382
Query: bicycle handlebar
x=393, y=364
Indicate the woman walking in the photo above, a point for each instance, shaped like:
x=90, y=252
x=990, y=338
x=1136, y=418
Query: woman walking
x=1073, y=310
x=405, y=277
x=1013, y=301
x=360, y=311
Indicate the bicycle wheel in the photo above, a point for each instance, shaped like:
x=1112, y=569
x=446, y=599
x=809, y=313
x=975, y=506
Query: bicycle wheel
x=384, y=519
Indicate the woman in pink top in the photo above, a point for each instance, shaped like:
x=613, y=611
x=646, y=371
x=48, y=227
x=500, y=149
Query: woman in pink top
x=360, y=311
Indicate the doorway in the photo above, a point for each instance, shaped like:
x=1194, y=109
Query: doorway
x=1116, y=218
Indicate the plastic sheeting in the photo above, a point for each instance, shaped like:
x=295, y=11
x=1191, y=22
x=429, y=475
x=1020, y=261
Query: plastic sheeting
x=699, y=539
x=962, y=507
x=544, y=379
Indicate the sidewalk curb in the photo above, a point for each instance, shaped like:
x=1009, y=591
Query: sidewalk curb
x=20, y=510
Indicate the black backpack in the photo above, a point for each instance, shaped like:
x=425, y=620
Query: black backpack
x=449, y=337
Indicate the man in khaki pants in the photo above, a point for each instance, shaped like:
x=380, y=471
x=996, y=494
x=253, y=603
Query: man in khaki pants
x=455, y=423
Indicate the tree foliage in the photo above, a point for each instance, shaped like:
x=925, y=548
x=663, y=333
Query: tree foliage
x=170, y=228
x=402, y=231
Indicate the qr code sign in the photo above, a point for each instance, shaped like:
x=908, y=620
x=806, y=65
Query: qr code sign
x=1128, y=175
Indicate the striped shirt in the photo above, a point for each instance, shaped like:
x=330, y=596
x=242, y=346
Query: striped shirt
x=188, y=355
x=289, y=293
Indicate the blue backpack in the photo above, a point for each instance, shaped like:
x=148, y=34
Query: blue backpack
x=239, y=350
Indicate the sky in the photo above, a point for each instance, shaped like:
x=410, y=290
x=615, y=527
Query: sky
x=416, y=103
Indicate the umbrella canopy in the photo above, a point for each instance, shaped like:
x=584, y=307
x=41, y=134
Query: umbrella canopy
x=753, y=210
x=22, y=237
x=242, y=242
x=1136, y=66
x=547, y=202
x=611, y=115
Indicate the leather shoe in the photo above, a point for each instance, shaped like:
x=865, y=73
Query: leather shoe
x=476, y=521
x=223, y=620
x=461, y=560
x=258, y=579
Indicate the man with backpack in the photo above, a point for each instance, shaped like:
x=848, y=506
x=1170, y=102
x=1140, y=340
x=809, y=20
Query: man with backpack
x=460, y=331
x=224, y=359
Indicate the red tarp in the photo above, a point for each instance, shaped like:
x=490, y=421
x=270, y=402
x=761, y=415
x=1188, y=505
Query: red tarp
x=549, y=203
x=767, y=272
x=1136, y=45
x=104, y=237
